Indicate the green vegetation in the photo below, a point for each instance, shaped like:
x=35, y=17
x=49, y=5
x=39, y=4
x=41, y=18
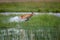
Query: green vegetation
x=50, y=25
x=34, y=23
x=30, y=6
x=44, y=21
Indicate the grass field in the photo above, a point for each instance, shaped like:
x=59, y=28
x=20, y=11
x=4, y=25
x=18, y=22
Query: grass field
x=30, y=6
x=50, y=25
x=34, y=23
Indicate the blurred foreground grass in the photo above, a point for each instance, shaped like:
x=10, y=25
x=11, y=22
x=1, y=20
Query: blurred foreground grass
x=30, y=6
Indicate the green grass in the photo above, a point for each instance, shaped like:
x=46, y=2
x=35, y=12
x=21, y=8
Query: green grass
x=30, y=6
x=42, y=21
x=50, y=25
x=36, y=22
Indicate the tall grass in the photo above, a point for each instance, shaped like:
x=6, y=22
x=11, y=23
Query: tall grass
x=34, y=23
x=44, y=21
x=50, y=24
